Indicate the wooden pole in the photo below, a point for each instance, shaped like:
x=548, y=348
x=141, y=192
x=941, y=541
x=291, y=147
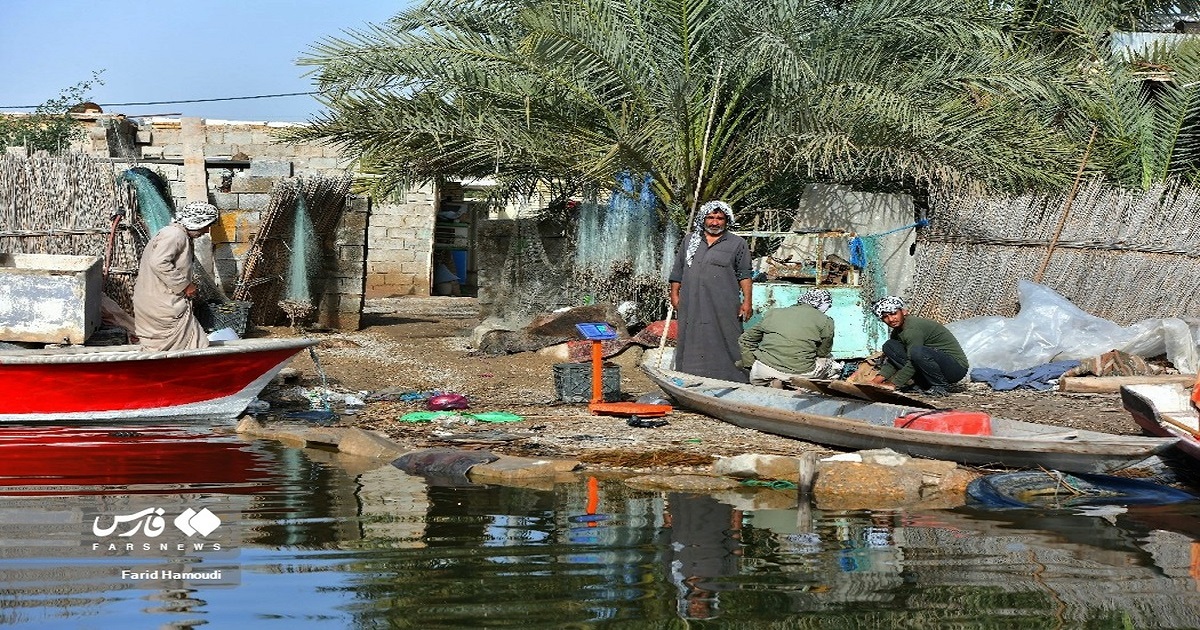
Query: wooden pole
x=1062, y=220
x=662, y=342
x=1179, y=425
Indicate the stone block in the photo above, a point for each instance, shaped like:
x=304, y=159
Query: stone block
x=354, y=223
x=855, y=486
x=218, y=150
x=754, y=466
x=152, y=153
x=167, y=136
x=225, y=229
x=243, y=183
x=326, y=164
x=238, y=138
x=355, y=253
x=224, y=201
x=256, y=201
x=367, y=444
x=144, y=136
x=270, y=168
x=173, y=150
x=515, y=468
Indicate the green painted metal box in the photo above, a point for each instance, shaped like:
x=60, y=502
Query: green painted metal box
x=857, y=332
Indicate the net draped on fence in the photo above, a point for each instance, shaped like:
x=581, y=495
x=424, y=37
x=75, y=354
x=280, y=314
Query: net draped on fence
x=268, y=267
x=1121, y=255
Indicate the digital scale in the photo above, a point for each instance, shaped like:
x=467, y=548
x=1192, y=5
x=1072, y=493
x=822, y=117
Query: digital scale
x=596, y=333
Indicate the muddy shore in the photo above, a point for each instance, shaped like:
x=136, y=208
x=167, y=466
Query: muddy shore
x=418, y=345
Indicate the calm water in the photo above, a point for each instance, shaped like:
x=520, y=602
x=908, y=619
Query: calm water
x=307, y=540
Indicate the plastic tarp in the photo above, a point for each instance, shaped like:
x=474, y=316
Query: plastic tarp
x=1049, y=328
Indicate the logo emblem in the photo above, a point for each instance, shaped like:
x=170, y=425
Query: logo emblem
x=192, y=522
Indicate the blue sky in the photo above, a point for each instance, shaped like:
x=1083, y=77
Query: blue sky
x=171, y=50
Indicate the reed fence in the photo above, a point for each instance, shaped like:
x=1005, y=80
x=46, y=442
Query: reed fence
x=66, y=205
x=1119, y=254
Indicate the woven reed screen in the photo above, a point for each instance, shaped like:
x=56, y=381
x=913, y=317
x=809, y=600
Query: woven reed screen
x=1121, y=255
x=64, y=205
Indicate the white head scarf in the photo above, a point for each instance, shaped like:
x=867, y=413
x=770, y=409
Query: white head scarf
x=196, y=215
x=887, y=304
x=818, y=299
x=698, y=227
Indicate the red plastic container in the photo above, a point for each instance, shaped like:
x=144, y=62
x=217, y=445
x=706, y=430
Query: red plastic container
x=948, y=421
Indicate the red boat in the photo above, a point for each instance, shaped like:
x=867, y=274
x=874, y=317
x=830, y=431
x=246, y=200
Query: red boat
x=89, y=383
x=1166, y=410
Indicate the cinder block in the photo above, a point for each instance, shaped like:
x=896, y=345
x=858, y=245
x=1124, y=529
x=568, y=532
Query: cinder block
x=270, y=168
x=243, y=183
x=225, y=229
x=254, y=201
x=224, y=201
x=239, y=138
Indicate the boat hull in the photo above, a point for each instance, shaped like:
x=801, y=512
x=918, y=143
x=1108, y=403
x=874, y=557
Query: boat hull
x=89, y=384
x=858, y=425
x=1147, y=404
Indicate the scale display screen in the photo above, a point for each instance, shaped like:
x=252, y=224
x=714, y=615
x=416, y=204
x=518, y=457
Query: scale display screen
x=596, y=332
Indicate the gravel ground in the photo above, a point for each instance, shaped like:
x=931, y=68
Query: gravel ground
x=417, y=344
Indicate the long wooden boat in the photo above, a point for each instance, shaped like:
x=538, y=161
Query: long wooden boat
x=90, y=383
x=1166, y=410
x=858, y=424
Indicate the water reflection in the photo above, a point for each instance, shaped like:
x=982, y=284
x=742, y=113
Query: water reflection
x=336, y=541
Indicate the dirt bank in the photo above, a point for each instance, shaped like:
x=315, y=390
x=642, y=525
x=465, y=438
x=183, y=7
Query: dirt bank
x=423, y=344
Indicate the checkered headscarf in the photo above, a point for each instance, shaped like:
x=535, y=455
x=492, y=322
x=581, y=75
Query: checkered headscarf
x=887, y=304
x=818, y=299
x=698, y=227
x=196, y=215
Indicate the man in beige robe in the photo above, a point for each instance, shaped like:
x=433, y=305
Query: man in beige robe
x=162, y=296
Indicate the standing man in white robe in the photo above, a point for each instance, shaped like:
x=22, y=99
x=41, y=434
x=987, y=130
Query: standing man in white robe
x=162, y=296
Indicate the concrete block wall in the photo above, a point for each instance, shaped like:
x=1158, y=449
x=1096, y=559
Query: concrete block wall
x=241, y=190
x=400, y=244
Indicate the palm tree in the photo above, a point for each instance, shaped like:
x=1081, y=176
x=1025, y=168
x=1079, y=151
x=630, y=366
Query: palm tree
x=733, y=99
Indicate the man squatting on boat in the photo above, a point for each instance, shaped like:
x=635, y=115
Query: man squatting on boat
x=918, y=350
x=792, y=341
x=163, y=293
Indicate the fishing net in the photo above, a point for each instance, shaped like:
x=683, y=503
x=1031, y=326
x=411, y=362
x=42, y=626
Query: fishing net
x=156, y=212
x=273, y=275
x=529, y=284
x=617, y=255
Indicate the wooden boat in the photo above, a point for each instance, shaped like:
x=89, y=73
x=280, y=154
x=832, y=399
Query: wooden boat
x=859, y=424
x=1166, y=410
x=89, y=383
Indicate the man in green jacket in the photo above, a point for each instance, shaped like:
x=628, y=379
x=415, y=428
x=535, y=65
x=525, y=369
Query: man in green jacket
x=791, y=341
x=919, y=350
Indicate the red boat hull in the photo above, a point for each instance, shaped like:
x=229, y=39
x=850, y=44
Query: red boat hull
x=216, y=382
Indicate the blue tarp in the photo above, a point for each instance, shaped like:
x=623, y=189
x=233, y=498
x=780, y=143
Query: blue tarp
x=1038, y=377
